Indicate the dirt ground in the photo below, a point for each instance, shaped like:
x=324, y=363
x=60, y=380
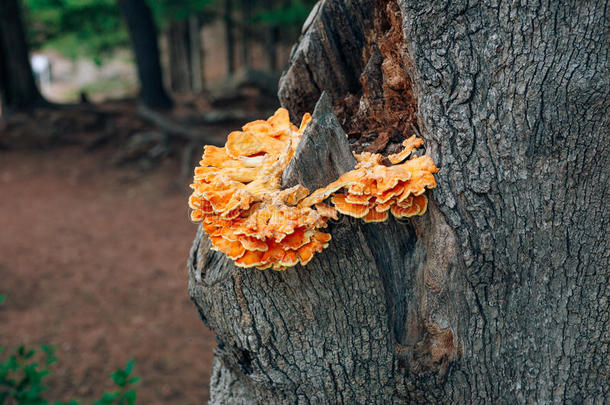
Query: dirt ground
x=92, y=259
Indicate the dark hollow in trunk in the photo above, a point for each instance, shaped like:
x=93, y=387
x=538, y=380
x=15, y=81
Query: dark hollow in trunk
x=499, y=293
x=143, y=34
x=17, y=86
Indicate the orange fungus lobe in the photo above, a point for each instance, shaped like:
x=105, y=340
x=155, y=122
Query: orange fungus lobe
x=238, y=199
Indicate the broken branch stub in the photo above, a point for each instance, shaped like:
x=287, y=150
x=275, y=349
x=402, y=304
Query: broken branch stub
x=323, y=154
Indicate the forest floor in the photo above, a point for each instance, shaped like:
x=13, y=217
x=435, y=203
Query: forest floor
x=92, y=259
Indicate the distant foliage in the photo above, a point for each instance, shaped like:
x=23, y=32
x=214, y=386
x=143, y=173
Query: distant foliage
x=285, y=14
x=77, y=28
x=95, y=28
x=166, y=11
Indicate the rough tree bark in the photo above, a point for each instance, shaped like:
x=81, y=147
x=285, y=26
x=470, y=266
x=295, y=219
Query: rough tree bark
x=143, y=34
x=17, y=86
x=499, y=293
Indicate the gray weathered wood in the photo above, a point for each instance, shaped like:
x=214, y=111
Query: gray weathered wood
x=328, y=57
x=323, y=153
x=499, y=294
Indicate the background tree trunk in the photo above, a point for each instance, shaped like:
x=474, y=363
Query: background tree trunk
x=197, y=74
x=246, y=15
x=500, y=292
x=143, y=34
x=179, y=56
x=17, y=86
x=185, y=56
x=272, y=36
x=230, y=38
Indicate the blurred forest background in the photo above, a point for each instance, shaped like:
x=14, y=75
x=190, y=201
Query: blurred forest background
x=105, y=108
x=201, y=42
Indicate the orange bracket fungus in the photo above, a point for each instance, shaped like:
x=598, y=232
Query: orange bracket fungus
x=238, y=196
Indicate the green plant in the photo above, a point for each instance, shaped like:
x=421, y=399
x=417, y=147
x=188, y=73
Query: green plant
x=23, y=370
x=21, y=375
x=125, y=395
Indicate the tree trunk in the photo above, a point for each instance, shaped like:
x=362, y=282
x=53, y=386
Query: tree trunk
x=499, y=293
x=17, y=86
x=179, y=56
x=143, y=34
x=229, y=38
x=246, y=15
x=272, y=36
x=196, y=54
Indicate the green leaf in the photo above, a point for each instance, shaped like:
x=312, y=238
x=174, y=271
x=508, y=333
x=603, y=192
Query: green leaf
x=49, y=351
x=133, y=380
x=12, y=364
x=107, y=399
x=2, y=298
x=119, y=377
x=23, y=352
x=130, y=397
x=129, y=366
